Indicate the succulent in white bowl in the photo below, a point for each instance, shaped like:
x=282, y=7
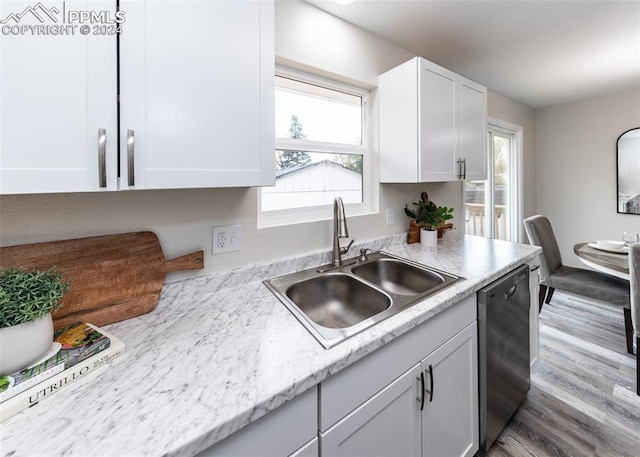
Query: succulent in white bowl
x=27, y=299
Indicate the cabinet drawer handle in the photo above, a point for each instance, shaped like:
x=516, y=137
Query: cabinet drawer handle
x=430, y=392
x=131, y=144
x=421, y=397
x=102, y=157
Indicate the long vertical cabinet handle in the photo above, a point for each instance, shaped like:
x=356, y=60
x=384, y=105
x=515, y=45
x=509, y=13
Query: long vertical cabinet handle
x=421, y=397
x=102, y=157
x=131, y=145
x=430, y=392
x=464, y=169
x=459, y=172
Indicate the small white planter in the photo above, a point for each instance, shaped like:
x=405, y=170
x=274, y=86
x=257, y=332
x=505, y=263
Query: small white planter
x=23, y=344
x=429, y=238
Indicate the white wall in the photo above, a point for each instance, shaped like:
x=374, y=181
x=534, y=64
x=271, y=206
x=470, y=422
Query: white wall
x=306, y=38
x=576, y=152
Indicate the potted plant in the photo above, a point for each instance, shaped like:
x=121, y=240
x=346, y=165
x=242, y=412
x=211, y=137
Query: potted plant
x=27, y=299
x=428, y=218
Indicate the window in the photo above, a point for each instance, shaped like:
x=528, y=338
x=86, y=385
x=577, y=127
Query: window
x=321, y=151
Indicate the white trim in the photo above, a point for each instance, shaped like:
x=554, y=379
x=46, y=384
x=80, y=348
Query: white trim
x=317, y=146
x=516, y=169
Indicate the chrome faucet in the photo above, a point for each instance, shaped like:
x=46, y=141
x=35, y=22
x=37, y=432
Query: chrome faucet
x=340, y=230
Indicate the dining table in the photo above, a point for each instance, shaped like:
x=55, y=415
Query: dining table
x=613, y=263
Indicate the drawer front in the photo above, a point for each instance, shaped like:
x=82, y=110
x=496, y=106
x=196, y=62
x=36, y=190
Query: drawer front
x=265, y=437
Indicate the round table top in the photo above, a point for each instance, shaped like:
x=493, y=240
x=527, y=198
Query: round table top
x=613, y=260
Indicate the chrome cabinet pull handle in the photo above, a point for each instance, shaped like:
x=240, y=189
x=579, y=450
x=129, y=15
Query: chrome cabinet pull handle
x=459, y=172
x=421, y=397
x=430, y=392
x=102, y=157
x=131, y=143
x=464, y=173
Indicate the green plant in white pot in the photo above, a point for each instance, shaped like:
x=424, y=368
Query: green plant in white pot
x=429, y=217
x=27, y=299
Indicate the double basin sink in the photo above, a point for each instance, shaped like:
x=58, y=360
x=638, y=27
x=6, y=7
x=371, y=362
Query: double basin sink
x=335, y=303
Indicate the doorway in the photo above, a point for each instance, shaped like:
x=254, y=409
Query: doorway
x=493, y=206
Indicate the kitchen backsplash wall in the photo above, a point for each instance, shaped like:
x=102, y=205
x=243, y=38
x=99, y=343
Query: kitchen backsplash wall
x=306, y=38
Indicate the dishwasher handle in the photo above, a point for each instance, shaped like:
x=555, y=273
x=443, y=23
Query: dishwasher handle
x=510, y=292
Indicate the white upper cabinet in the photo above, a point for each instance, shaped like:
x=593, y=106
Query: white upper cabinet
x=432, y=124
x=197, y=94
x=472, y=129
x=57, y=102
x=196, y=98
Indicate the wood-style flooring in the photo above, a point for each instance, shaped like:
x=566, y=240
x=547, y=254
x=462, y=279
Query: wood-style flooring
x=582, y=400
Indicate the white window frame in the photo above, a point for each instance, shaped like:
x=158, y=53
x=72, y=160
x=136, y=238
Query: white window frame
x=369, y=181
x=516, y=185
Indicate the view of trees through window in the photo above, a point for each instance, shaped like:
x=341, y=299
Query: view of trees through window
x=289, y=158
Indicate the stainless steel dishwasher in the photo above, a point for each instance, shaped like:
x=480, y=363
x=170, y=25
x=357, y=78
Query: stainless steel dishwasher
x=503, y=346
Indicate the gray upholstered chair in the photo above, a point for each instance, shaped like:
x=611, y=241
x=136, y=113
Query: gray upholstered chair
x=555, y=275
x=634, y=272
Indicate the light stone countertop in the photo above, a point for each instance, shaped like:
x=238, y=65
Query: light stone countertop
x=219, y=352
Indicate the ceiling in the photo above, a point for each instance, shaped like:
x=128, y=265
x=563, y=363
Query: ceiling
x=540, y=53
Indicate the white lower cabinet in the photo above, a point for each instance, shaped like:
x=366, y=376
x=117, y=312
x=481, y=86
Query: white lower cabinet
x=290, y=430
x=310, y=449
x=450, y=418
x=429, y=410
x=386, y=425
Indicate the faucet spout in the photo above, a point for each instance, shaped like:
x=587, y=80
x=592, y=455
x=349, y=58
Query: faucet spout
x=340, y=219
x=340, y=230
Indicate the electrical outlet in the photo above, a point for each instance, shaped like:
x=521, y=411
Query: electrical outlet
x=390, y=217
x=226, y=239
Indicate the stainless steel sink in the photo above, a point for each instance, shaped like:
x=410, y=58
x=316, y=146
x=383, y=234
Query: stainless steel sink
x=337, y=300
x=335, y=303
x=398, y=277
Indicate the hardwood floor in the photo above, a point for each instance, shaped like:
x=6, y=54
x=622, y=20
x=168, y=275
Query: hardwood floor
x=582, y=400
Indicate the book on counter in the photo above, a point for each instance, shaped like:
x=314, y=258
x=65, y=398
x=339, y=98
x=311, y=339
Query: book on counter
x=77, y=350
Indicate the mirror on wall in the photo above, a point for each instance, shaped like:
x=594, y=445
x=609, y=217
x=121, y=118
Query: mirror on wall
x=629, y=172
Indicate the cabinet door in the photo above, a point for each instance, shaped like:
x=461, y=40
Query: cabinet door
x=437, y=123
x=387, y=424
x=472, y=128
x=197, y=94
x=450, y=416
x=311, y=449
x=56, y=92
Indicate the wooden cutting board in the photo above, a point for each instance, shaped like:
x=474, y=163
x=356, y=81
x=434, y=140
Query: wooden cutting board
x=113, y=277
